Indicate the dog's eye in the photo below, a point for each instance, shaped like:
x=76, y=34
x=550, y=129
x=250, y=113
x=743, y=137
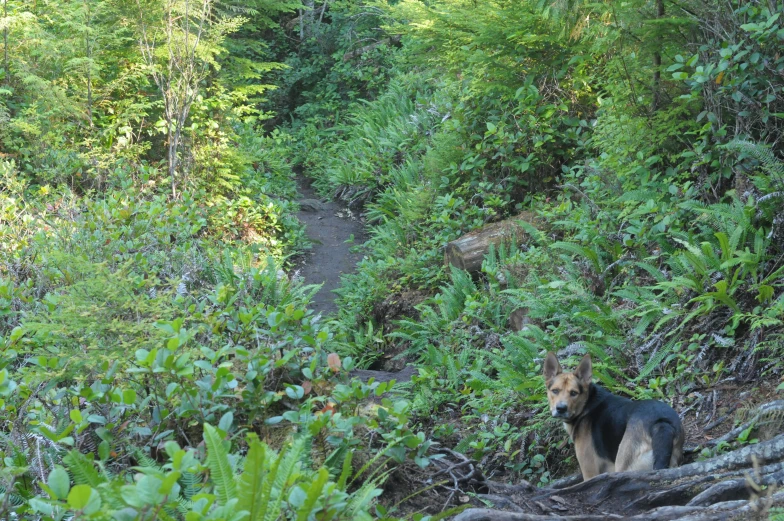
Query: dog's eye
x=574, y=393
x=555, y=391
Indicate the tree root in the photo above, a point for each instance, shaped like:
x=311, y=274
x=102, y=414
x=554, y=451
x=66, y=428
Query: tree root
x=737, y=485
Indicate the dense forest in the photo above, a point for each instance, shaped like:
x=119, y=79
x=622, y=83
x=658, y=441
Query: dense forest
x=160, y=357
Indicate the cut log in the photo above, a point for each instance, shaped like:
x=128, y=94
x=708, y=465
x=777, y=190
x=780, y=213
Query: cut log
x=468, y=252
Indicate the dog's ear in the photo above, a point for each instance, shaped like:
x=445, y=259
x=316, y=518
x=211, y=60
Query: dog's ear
x=584, y=371
x=551, y=367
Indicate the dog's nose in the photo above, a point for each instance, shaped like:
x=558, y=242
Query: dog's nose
x=560, y=408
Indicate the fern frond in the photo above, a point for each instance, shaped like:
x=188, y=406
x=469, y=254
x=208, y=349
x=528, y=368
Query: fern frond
x=346, y=471
x=582, y=251
x=221, y=471
x=250, y=490
x=771, y=164
x=190, y=483
x=663, y=352
x=465, y=444
x=370, y=489
x=82, y=470
x=145, y=461
x=286, y=464
x=314, y=491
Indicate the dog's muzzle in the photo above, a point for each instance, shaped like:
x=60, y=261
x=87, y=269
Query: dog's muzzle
x=560, y=411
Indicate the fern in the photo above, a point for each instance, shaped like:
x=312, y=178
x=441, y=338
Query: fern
x=190, y=483
x=82, y=470
x=582, y=251
x=360, y=500
x=654, y=362
x=251, y=484
x=465, y=444
x=221, y=472
x=771, y=164
x=314, y=491
x=776, y=514
x=284, y=467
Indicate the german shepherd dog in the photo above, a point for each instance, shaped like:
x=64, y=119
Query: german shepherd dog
x=611, y=433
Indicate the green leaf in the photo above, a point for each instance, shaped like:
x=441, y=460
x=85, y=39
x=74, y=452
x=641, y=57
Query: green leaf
x=226, y=421
x=84, y=499
x=345, y=473
x=129, y=396
x=75, y=415
x=59, y=482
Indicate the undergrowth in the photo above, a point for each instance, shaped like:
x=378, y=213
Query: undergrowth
x=642, y=246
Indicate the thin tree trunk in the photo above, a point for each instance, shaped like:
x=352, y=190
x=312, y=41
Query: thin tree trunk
x=323, y=8
x=174, y=141
x=5, y=44
x=657, y=61
x=89, y=52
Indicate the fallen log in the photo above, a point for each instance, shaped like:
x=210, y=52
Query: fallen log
x=468, y=252
x=737, y=485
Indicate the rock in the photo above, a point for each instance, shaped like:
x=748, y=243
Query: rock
x=311, y=205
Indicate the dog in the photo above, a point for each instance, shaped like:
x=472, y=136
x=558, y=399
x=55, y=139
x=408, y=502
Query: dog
x=611, y=433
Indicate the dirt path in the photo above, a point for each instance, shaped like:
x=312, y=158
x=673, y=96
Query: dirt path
x=329, y=226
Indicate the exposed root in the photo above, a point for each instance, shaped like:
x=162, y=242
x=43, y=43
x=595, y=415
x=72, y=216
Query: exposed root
x=739, y=485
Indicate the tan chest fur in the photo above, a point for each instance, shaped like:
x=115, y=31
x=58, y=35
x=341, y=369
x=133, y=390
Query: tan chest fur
x=590, y=463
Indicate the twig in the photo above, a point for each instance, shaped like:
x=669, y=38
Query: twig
x=718, y=422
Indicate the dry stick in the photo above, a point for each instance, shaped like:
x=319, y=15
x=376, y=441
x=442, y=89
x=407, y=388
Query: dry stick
x=452, y=493
x=714, y=397
x=718, y=422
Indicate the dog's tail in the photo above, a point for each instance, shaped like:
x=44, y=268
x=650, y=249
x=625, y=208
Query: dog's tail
x=664, y=435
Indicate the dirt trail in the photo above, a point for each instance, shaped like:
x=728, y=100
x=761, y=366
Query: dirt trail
x=329, y=226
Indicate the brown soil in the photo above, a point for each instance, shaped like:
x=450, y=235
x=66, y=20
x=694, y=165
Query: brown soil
x=329, y=226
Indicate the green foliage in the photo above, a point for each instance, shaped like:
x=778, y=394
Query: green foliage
x=150, y=336
x=656, y=257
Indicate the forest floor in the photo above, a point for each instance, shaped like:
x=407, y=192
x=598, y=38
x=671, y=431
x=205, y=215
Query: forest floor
x=330, y=227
